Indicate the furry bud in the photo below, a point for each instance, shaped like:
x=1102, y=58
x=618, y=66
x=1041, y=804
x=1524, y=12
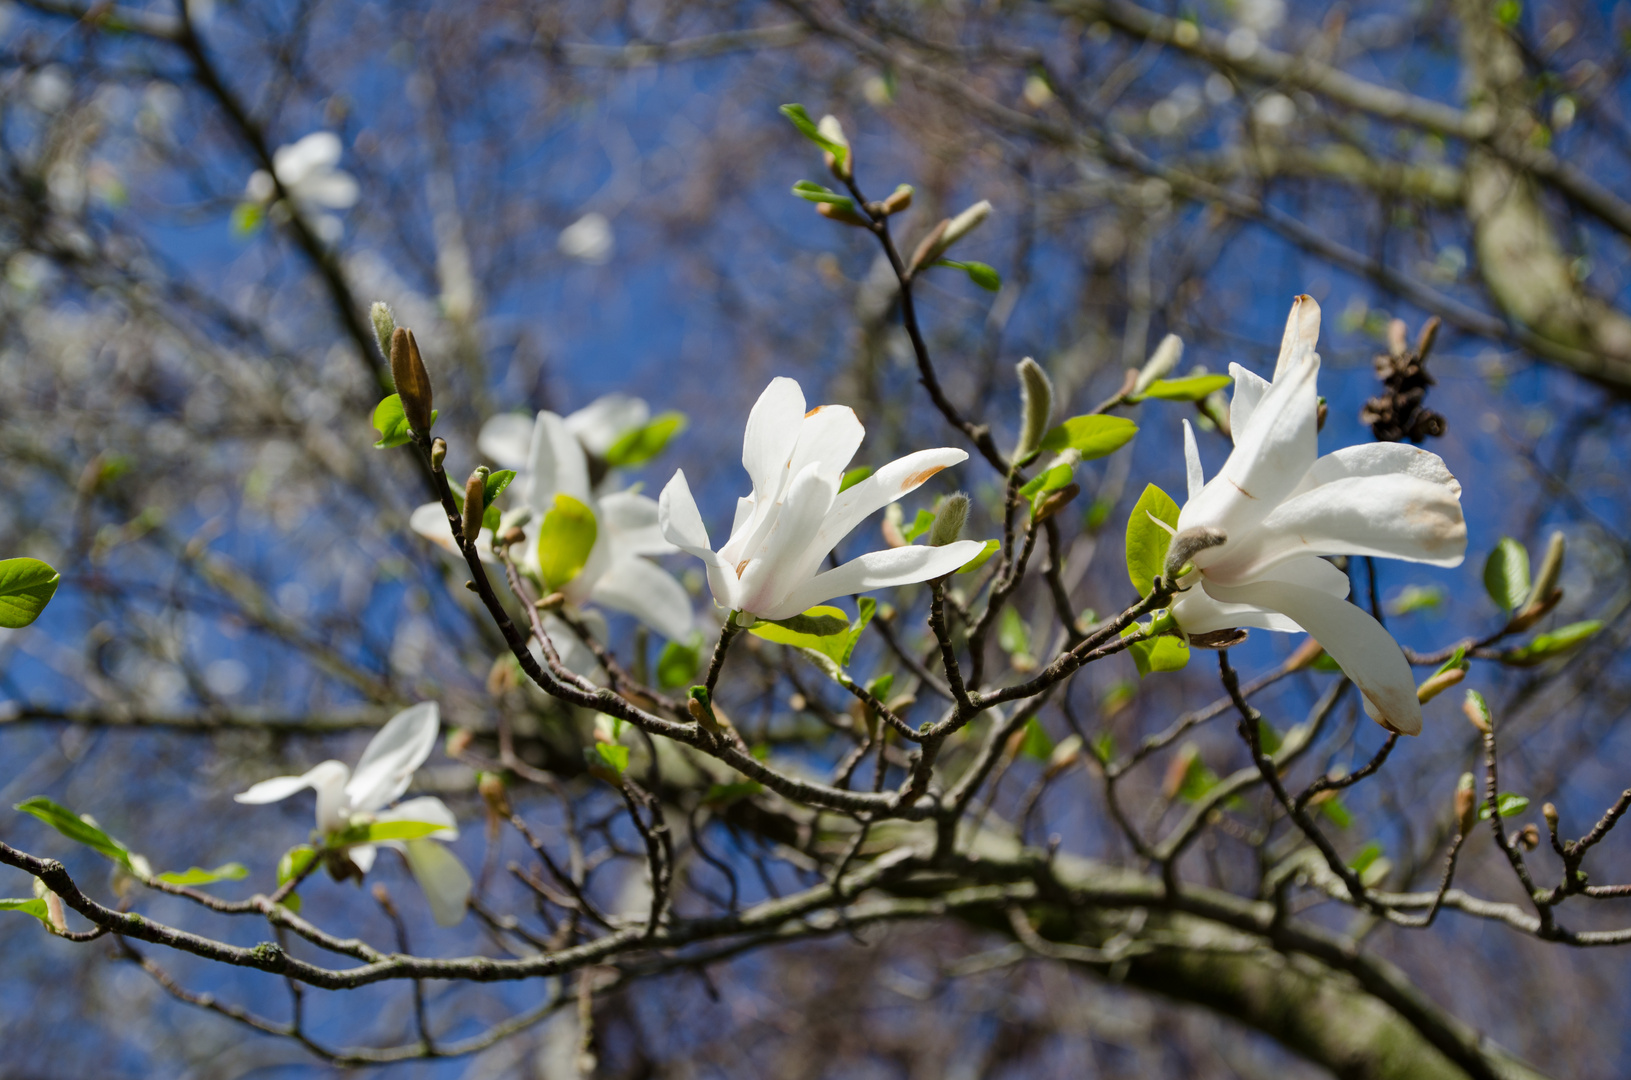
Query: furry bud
x=475, y=500
x=412, y=380
x=1036, y=404
x=949, y=522
x=1466, y=804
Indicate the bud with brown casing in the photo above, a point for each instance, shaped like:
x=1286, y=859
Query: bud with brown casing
x=412, y=380
x=1544, y=595
x=1439, y=683
x=899, y=199
x=494, y=793
x=1476, y=711
x=475, y=503
x=438, y=453
x=1529, y=837
x=844, y=215
x=928, y=247
x=1466, y=804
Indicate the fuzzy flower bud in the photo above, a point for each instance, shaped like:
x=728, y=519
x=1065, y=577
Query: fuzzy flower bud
x=475, y=499
x=438, y=453
x=1466, y=804
x=1161, y=362
x=1549, y=812
x=1036, y=404
x=384, y=326
x=900, y=199
x=1545, y=594
x=1439, y=683
x=965, y=223
x=412, y=380
x=948, y=524
x=1477, y=711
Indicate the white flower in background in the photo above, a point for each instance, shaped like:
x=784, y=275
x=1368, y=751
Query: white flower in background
x=796, y=514
x=588, y=239
x=507, y=439
x=307, y=170
x=1275, y=507
x=349, y=797
x=553, y=490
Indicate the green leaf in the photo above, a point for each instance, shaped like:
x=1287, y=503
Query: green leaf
x=1476, y=702
x=1164, y=653
x=392, y=423
x=614, y=755
x=35, y=907
x=1037, y=745
x=679, y=662
x=1506, y=574
x=246, y=218
x=1458, y=659
x=1413, y=598
x=990, y=549
x=75, y=828
x=720, y=795
x=496, y=483
x=978, y=272
x=294, y=863
x=1103, y=747
x=26, y=586
x=641, y=444
x=806, y=189
x=229, y=872
x=1092, y=436
x=1268, y=738
x=1325, y=662
x=1559, y=641
x=1194, y=388
x=1367, y=855
x=1147, y=542
x=869, y=608
x=1507, y=803
x=808, y=129
x=854, y=476
x=824, y=629
x=922, y=523
x=1012, y=634
x=1198, y=779
x=375, y=832
x=1047, y=480
x=1337, y=812
x=565, y=539
x=880, y=687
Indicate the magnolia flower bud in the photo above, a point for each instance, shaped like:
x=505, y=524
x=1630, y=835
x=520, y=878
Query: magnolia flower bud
x=965, y=223
x=833, y=131
x=844, y=215
x=898, y=200
x=412, y=380
x=438, y=453
x=1161, y=362
x=494, y=793
x=1545, y=594
x=1439, y=683
x=458, y=741
x=1188, y=543
x=1055, y=501
x=475, y=499
x=1549, y=812
x=1066, y=754
x=1530, y=837
x=1466, y=804
x=384, y=326
x=512, y=536
x=929, y=247
x=1477, y=711
x=948, y=524
x=1036, y=403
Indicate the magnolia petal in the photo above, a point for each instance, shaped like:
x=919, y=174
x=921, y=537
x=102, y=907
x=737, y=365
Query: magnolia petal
x=389, y=761
x=630, y=520
x=328, y=779
x=426, y=808
x=1392, y=516
x=1302, y=333
x=1269, y=459
x=599, y=424
x=556, y=464
x=442, y=877
x=362, y=856
x=896, y=479
x=1198, y=612
x=1249, y=390
x=771, y=436
x=877, y=570
x=1358, y=643
x=649, y=593
x=336, y=189
x=1379, y=459
x=430, y=521
x=680, y=521
x=784, y=557
x=506, y=440
x=1192, y=462
x=829, y=438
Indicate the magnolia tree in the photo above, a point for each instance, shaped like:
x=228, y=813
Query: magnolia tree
x=654, y=730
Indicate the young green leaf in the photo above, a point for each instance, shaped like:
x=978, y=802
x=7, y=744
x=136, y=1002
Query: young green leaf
x=1036, y=745
x=811, y=131
x=1193, y=388
x=1093, y=436
x=35, y=907
x=197, y=876
x=807, y=189
x=921, y=524
x=1337, y=812
x=1506, y=574
x=26, y=586
x=1555, y=643
x=392, y=423
x=868, y=607
x=565, y=538
x=1147, y=541
x=1367, y=855
x=978, y=272
x=1507, y=803
x=641, y=444
x=1047, y=480
x=496, y=483
x=854, y=476
x=679, y=663
x=76, y=828
x=1197, y=779
x=1103, y=747
x=375, y=832
x=1163, y=653
x=1457, y=659
x=613, y=755
x=294, y=862
x=824, y=629
x=1013, y=636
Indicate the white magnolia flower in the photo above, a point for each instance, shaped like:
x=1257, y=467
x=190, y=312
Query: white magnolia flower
x=1275, y=507
x=796, y=514
x=308, y=171
x=507, y=439
x=616, y=574
x=347, y=797
x=588, y=239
